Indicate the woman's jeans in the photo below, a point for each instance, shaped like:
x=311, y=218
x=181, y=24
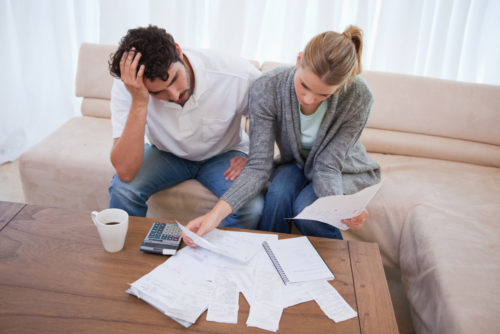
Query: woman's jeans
x=287, y=195
x=161, y=170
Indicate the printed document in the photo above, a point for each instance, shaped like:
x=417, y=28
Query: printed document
x=225, y=244
x=332, y=209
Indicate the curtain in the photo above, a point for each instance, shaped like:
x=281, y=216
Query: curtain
x=40, y=41
x=449, y=39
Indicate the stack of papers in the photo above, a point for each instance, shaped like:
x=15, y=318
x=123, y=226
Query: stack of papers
x=210, y=277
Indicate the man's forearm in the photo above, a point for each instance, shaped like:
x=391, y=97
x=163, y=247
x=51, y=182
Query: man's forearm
x=128, y=150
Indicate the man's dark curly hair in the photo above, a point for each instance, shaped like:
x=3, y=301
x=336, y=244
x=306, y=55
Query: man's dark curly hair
x=156, y=46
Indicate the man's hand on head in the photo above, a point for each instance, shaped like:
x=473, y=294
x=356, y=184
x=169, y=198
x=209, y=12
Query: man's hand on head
x=132, y=78
x=236, y=165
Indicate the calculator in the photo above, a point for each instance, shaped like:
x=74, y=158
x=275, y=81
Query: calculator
x=162, y=238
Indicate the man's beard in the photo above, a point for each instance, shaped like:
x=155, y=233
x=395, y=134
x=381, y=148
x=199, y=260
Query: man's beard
x=186, y=93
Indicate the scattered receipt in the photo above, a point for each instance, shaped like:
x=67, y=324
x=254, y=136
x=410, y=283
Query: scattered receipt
x=330, y=301
x=332, y=209
x=223, y=306
x=266, y=306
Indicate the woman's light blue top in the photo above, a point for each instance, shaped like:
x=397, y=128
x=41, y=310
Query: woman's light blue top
x=309, y=127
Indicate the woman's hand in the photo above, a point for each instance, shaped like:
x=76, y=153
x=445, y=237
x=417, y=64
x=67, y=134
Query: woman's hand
x=206, y=223
x=355, y=223
x=236, y=165
x=200, y=226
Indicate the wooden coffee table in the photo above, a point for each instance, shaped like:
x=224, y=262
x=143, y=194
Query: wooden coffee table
x=55, y=277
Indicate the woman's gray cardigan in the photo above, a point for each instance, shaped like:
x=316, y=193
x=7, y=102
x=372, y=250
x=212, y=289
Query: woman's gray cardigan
x=337, y=163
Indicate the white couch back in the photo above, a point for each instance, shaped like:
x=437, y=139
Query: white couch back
x=434, y=118
x=93, y=81
x=411, y=115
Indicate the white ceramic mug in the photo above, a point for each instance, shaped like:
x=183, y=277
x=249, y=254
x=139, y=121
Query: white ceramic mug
x=112, y=225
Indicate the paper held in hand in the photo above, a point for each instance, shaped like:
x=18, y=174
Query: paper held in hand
x=229, y=246
x=332, y=209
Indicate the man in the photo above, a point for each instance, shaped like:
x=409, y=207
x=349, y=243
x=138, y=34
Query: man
x=189, y=105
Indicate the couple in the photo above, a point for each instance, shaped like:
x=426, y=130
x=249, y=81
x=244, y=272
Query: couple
x=189, y=104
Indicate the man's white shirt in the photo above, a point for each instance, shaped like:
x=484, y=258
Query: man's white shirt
x=210, y=121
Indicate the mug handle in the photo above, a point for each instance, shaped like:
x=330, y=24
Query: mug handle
x=93, y=215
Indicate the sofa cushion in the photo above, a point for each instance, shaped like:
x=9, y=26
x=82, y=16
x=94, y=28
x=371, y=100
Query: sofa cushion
x=96, y=107
x=71, y=168
x=450, y=263
x=434, y=147
x=410, y=182
x=92, y=76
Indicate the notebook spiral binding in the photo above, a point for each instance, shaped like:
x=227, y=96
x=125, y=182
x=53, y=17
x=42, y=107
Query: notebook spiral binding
x=275, y=262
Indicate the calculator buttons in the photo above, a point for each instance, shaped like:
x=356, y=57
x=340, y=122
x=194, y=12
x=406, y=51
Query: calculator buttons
x=162, y=238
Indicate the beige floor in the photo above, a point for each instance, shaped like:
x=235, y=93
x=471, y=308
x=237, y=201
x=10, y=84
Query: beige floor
x=11, y=190
x=10, y=183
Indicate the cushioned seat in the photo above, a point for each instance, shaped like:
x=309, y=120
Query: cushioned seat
x=66, y=167
x=451, y=265
x=72, y=165
x=410, y=182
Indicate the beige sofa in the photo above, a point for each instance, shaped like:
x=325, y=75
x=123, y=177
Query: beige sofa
x=436, y=217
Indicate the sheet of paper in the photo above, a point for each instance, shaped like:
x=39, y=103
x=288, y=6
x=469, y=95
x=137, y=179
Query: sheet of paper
x=197, y=239
x=244, y=278
x=254, y=240
x=191, y=302
x=266, y=306
x=224, y=303
x=295, y=294
x=330, y=301
x=224, y=243
x=264, y=315
x=332, y=209
x=240, y=246
x=191, y=262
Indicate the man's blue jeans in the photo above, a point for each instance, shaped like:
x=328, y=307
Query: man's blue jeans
x=287, y=195
x=161, y=170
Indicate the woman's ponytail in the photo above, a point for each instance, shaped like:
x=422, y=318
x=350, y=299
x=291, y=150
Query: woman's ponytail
x=355, y=35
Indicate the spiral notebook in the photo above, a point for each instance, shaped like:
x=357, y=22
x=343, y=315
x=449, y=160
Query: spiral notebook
x=296, y=260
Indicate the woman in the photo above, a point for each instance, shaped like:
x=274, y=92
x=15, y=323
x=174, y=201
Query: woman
x=315, y=111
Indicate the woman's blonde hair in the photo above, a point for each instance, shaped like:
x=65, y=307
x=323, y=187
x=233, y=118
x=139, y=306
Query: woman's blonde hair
x=335, y=58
